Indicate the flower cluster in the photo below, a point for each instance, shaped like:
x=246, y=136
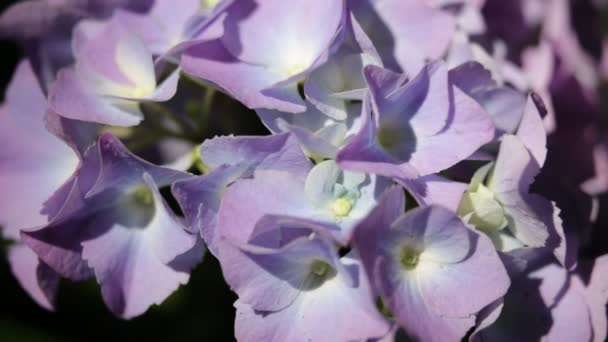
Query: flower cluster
x=421, y=176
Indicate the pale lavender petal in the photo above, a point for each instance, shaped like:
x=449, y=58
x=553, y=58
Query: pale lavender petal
x=363, y=154
x=597, y=297
x=29, y=154
x=504, y=104
x=165, y=25
x=119, y=167
x=278, y=152
x=254, y=39
x=271, y=279
x=200, y=198
x=39, y=280
x=350, y=309
x=269, y=192
x=450, y=260
x=513, y=173
x=166, y=90
x=531, y=129
x=69, y=97
x=435, y=189
x=245, y=82
x=127, y=259
x=405, y=32
x=425, y=125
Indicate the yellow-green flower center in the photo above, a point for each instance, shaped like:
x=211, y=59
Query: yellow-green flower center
x=319, y=268
x=388, y=137
x=207, y=4
x=143, y=196
x=295, y=69
x=342, y=207
x=409, y=258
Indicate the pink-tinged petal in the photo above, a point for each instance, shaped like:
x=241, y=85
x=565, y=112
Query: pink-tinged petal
x=29, y=154
x=531, y=130
x=36, y=278
x=246, y=82
x=350, y=309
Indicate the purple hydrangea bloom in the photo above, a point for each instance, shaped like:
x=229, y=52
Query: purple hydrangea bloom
x=37, y=145
x=334, y=93
x=260, y=65
x=114, y=71
x=330, y=196
x=423, y=261
x=415, y=128
x=229, y=159
x=291, y=282
x=44, y=28
x=115, y=224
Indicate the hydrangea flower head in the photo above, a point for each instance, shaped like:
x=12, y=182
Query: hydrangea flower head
x=422, y=263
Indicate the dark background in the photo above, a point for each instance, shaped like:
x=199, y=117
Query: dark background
x=202, y=310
